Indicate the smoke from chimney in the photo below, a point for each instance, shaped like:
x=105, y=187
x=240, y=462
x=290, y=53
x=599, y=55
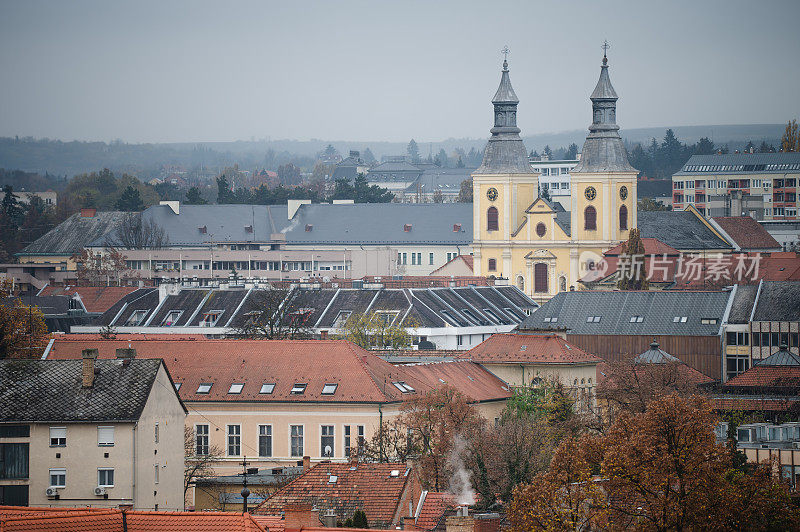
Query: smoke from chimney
x=460, y=485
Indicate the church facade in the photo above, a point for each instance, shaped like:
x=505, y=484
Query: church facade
x=535, y=243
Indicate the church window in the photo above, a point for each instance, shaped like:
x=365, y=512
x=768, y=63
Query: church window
x=540, y=278
x=562, y=283
x=491, y=219
x=623, y=218
x=590, y=218
x=521, y=282
x=540, y=229
x=492, y=265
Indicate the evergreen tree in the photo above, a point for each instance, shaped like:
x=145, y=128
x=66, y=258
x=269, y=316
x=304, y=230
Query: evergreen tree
x=572, y=152
x=766, y=148
x=544, y=192
x=413, y=151
x=441, y=159
x=130, y=200
x=632, y=278
x=547, y=151
x=368, y=157
x=704, y=146
x=194, y=197
x=360, y=519
x=12, y=209
x=223, y=190
x=460, y=163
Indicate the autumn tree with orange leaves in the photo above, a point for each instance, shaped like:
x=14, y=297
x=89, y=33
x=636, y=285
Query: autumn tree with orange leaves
x=661, y=469
x=23, y=333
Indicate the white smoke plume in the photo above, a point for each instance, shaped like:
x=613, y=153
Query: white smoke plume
x=460, y=480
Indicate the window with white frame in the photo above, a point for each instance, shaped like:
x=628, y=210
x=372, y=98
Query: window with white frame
x=105, y=477
x=347, y=447
x=136, y=318
x=171, y=317
x=296, y=435
x=58, y=436
x=210, y=318
x=267, y=388
x=201, y=440
x=326, y=441
x=155, y=473
x=430, y=259
x=234, y=440
x=265, y=440
x=58, y=477
x=105, y=436
x=361, y=439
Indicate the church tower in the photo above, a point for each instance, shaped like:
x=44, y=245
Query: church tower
x=603, y=187
x=503, y=186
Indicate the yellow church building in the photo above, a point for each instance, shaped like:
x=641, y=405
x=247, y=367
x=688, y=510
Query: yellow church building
x=536, y=244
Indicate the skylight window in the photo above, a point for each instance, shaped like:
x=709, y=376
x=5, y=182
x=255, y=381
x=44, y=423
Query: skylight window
x=267, y=388
x=299, y=388
x=442, y=381
x=178, y=386
x=395, y=473
x=637, y=319
x=236, y=387
x=329, y=389
x=593, y=319
x=679, y=319
x=403, y=387
x=333, y=479
x=205, y=387
x=552, y=320
x=708, y=321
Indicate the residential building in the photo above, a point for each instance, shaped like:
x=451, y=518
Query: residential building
x=786, y=232
x=94, y=299
x=277, y=401
x=449, y=318
x=49, y=197
x=87, y=432
x=60, y=313
x=458, y=266
x=554, y=176
x=221, y=493
x=531, y=359
x=613, y=325
x=541, y=248
x=760, y=185
x=350, y=167
x=745, y=233
x=383, y=491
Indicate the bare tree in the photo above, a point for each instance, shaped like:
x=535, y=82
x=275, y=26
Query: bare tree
x=197, y=466
x=133, y=232
x=101, y=268
x=275, y=314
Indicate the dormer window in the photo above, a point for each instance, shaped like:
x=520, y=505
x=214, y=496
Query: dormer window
x=329, y=389
x=309, y=228
x=299, y=389
x=248, y=228
x=407, y=228
x=210, y=318
x=136, y=318
x=236, y=388
x=202, y=230
x=171, y=317
x=267, y=388
x=178, y=386
x=456, y=228
x=341, y=318
x=204, y=387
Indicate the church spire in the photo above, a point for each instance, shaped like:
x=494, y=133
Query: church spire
x=505, y=152
x=603, y=150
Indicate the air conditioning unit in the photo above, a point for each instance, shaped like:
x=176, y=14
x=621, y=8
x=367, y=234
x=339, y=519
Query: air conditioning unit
x=51, y=492
x=796, y=445
x=99, y=490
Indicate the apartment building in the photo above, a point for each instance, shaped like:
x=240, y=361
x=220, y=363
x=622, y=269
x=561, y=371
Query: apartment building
x=554, y=177
x=760, y=185
x=87, y=432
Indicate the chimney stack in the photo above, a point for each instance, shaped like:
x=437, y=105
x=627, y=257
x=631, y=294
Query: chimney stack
x=89, y=356
x=126, y=355
x=306, y=463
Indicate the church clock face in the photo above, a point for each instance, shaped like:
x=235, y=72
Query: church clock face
x=623, y=193
x=590, y=193
x=492, y=194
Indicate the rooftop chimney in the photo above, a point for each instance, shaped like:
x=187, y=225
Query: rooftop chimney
x=300, y=515
x=306, y=463
x=89, y=356
x=126, y=355
x=88, y=212
x=293, y=206
x=461, y=522
x=174, y=205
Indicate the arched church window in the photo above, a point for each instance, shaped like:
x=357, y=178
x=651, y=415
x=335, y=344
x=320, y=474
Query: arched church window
x=562, y=284
x=521, y=282
x=623, y=218
x=590, y=219
x=540, y=278
x=491, y=219
x=540, y=229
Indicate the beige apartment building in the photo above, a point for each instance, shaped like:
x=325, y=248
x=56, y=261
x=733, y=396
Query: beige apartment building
x=100, y=433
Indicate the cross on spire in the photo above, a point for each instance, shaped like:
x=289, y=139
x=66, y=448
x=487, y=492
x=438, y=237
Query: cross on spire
x=605, y=48
x=505, y=51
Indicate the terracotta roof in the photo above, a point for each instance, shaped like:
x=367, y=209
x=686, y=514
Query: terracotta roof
x=529, y=349
x=652, y=246
x=94, y=298
x=768, y=376
x=756, y=403
x=375, y=488
x=746, y=232
x=433, y=509
x=111, y=520
x=359, y=374
x=470, y=378
x=271, y=523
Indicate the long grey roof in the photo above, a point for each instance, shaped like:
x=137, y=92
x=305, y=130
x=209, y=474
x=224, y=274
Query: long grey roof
x=742, y=163
x=742, y=306
x=682, y=230
x=778, y=301
x=75, y=233
x=222, y=223
x=658, y=309
x=52, y=390
x=382, y=224
x=782, y=357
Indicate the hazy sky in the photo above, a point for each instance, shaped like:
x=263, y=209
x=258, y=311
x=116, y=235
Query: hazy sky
x=167, y=71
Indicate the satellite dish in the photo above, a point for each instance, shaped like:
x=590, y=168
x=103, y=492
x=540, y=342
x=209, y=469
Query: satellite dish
x=328, y=450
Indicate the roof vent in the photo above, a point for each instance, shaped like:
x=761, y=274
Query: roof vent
x=456, y=228
x=395, y=473
x=89, y=212
x=248, y=228
x=407, y=228
x=309, y=227
x=203, y=229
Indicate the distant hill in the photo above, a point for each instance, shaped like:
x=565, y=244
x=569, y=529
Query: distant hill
x=146, y=160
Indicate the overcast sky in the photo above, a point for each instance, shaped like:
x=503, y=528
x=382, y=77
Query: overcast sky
x=172, y=71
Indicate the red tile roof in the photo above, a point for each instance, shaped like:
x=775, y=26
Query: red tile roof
x=470, y=378
x=522, y=348
x=95, y=298
x=359, y=374
x=110, y=520
x=756, y=403
x=747, y=233
x=433, y=509
x=687, y=373
x=271, y=523
x=652, y=246
x=768, y=376
x=371, y=487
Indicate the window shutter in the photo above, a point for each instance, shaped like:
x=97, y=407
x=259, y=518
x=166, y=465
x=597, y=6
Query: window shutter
x=105, y=435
